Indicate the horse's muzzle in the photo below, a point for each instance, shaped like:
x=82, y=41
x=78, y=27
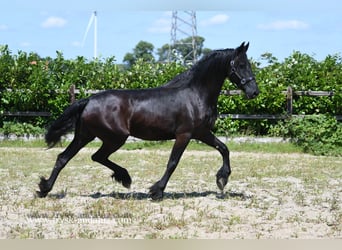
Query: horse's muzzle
x=253, y=95
x=252, y=90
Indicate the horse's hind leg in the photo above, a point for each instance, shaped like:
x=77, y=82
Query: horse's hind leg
x=46, y=185
x=101, y=156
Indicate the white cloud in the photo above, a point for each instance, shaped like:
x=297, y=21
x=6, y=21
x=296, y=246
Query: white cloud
x=76, y=44
x=3, y=27
x=215, y=20
x=25, y=44
x=54, y=22
x=162, y=25
x=284, y=25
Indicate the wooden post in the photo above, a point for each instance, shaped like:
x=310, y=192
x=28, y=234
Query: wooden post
x=289, y=101
x=72, y=94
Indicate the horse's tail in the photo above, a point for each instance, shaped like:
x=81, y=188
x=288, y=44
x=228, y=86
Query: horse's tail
x=65, y=123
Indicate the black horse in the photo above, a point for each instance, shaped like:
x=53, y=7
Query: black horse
x=183, y=109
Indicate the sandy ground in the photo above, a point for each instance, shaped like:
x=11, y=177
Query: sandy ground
x=267, y=201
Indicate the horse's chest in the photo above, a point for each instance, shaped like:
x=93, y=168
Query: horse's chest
x=208, y=117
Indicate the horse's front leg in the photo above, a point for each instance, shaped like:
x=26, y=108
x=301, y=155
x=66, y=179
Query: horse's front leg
x=157, y=190
x=225, y=171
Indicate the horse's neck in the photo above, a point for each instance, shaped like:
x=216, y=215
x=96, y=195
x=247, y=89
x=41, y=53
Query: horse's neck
x=211, y=88
x=211, y=78
x=213, y=98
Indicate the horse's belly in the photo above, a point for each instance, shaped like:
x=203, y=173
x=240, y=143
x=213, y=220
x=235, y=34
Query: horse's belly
x=151, y=133
x=152, y=127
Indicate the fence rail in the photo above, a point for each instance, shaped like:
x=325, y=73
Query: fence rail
x=27, y=113
x=289, y=94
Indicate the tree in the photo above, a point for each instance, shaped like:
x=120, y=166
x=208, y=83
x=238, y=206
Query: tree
x=143, y=50
x=182, y=50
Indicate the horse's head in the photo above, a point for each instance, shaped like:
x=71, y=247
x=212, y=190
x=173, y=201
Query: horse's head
x=240, y=72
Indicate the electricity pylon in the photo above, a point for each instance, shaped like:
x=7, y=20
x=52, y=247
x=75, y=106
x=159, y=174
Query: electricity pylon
x=183, y=27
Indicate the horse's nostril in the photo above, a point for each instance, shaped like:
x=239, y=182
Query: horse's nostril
x=256, y=93
x=253, y=95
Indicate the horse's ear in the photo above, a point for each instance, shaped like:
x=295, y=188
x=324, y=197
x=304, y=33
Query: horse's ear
x=246, y=47
x=241, y=49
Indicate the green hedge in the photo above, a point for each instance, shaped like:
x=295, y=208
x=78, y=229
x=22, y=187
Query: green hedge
x=317, y=134
x=49, y=79
x=301, y=72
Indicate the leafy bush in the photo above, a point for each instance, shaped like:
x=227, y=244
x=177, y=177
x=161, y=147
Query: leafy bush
x=317, y=134
x=20, y=129
x=31, y=83
x=301, y=72
x=42, y=84
x=226, y=126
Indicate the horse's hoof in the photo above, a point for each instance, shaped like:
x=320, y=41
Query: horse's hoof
x=127, y=184
x=156, y=193
x=43, y=188
x=40, y=194
x=157, y=196
x=123, y=178
x=221, y=182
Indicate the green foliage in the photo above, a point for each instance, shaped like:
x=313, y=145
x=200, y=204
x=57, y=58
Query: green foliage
x=31, y=83
x=226, y=126
x=301, y=72
x=317, y=134
x=20, y=129
x=149, y=75
x=181, y=51
x=143, y=51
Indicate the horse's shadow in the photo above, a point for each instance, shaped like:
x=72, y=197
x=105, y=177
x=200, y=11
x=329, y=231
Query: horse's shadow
x=167, y=195
x=170, y=196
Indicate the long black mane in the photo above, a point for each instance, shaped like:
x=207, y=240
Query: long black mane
x=212, y=63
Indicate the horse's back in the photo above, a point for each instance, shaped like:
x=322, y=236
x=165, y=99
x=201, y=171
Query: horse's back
x=150, y=114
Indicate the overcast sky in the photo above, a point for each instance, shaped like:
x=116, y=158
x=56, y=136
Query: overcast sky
x=279, y=27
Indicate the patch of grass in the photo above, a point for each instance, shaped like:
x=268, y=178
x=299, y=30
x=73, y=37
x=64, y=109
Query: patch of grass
x=24, y=232
x=234, y=220
x=153, y=235
x=22, y=143
x=88, y=234
x=282, y=147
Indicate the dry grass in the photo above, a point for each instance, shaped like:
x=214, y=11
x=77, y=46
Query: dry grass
x=268, y=196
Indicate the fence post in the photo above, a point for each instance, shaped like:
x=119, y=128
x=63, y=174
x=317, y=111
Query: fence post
x=72, y=94
x=289, y=101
